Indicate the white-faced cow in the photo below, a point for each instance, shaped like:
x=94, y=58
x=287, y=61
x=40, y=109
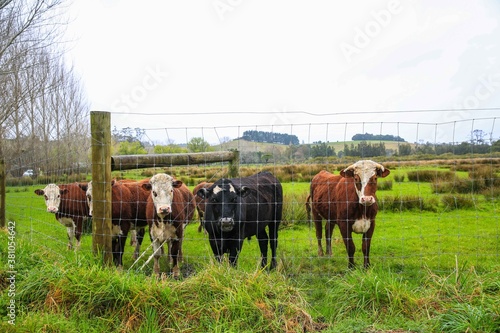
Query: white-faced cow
x=169, y=208
x=349, y=201
x=239, y=208
x=68, y=204
x=121, y=216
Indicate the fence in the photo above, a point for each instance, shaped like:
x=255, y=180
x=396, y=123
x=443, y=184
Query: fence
x=435, y=207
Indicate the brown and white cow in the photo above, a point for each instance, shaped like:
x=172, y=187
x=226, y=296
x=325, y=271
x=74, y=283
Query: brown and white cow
x=68, y=203
x=201, y=203
x=121, y=216
x=349, y=201
x=169, y=208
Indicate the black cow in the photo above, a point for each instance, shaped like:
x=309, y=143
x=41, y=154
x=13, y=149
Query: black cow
x=239, y=208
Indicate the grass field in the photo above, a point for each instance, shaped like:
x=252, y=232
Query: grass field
x=435, y=270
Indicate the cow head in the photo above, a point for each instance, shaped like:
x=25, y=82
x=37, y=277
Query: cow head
x=222, y=199
x=365, y=174
x=88, y=194
x=52, y=194
x=162, y=187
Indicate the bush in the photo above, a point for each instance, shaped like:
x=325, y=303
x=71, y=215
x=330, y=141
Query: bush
x=385, y=185
x=452, y=202
x=430, y=175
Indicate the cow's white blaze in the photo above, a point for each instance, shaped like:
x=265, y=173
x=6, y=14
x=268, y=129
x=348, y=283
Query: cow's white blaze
x=365, y=170
x=162, y=191
x=52, y=194
x=88, y=194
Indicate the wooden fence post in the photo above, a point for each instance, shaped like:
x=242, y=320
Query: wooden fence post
x=2, y=193
x=234, y=165
x=100, y=127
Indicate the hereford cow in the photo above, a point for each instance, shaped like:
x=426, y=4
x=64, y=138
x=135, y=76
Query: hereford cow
x=349, y=201
x=169, y=208
x=200, y=203
x=68, y=204
x=242, y=207
x=122, y=216
x=138, y=200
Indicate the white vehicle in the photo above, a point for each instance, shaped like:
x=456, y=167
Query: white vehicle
x=28, y=173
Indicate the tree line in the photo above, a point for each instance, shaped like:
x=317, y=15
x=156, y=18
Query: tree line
x=270, y=137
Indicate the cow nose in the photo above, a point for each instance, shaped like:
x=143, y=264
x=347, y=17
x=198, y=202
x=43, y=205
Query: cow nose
x=164, y=210
x=367, y=200
x=226, y=223
x=52, y=209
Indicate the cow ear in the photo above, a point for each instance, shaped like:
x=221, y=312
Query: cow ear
x=347, y=173
x=147, y=186
x=203, y=193
x=39, y=192
x=244, y=191
x=383, y=173
x=177, y=183
x=83, y=186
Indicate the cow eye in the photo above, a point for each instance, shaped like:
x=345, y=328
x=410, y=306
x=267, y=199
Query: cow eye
x=155, y=194
x=46, y=197
x=234, y=200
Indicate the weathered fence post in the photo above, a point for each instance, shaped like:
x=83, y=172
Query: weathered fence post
x=234, y=165
x=100, y=127
x=2, y=193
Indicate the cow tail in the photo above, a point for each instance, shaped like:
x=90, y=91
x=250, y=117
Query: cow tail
x=308, y=207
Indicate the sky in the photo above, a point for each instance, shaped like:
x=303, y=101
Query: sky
x=322, y=70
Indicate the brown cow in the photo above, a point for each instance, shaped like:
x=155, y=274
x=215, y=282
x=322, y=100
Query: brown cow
x=349, y=201
x=138, y=201
x=122, y=216
x=201, y=203
x=69, y=205
x=169, y=209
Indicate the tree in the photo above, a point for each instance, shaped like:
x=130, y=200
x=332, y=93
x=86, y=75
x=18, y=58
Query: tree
x=131, y=148
x=196, y=145
x=169, y=149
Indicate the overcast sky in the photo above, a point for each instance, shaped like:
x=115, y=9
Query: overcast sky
x=321, y=69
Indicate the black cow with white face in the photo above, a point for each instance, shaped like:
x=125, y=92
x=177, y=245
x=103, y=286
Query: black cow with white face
x=239, y=208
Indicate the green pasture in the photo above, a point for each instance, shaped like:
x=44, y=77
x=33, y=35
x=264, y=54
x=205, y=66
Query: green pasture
x=435, y=268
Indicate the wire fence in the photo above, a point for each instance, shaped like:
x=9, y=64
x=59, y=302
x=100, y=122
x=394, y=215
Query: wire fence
x=437, y=208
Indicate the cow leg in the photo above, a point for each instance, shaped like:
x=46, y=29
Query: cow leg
x=140, y=232
x=71, y=236
x=263, y=240
x=157, y=252
x=175, y=249
x=234, y=252
x=133, y=237
x=217, y=250
x=328, y=235
x=273, y=242
x=78, y=231
x=367, y=239
x=346, y=233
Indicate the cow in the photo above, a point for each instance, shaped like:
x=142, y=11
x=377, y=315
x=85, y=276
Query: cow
x=68, y=203
x=349, y=201
x=138, y=201
x=122, y=217
x=169, y=208
x=239, y=208
x=200, y=203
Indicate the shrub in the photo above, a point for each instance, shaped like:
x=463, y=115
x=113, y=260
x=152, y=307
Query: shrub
x=399, y=178
x=452, y=202
x=385, y=185
x=430, y=175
